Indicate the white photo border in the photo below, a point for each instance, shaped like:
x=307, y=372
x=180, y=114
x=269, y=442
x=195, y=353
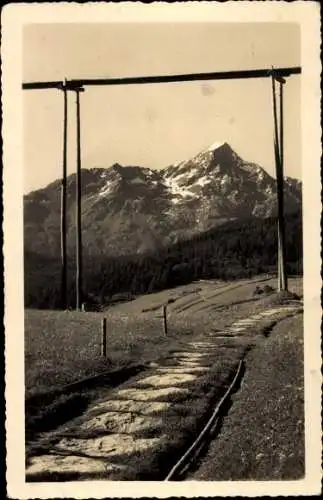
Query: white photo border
x=14, y=17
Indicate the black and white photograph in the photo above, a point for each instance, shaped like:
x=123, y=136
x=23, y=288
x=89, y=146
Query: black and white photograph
x=162, y=249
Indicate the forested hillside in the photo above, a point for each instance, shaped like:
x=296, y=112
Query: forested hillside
x=234, y=250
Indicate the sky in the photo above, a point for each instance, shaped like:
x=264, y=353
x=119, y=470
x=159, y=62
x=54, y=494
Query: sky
x=161, y=124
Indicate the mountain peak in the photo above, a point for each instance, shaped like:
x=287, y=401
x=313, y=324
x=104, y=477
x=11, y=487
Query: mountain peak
x=117, y=166
x=215, y=145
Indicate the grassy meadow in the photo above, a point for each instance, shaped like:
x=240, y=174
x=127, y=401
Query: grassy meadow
x=64, y=346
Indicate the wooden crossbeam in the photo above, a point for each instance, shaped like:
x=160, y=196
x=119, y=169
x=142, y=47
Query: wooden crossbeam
x=136, y=80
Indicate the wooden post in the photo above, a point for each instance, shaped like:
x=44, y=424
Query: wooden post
x=279, y=253
x=63, y=207
x=283, y=234
x=78, y=204
x=277, y=179
x=104, y=337
x=280, y=190
x=165, y=319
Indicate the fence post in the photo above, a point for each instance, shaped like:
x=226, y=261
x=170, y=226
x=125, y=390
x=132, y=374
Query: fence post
x=104, y=337
x=165, y=319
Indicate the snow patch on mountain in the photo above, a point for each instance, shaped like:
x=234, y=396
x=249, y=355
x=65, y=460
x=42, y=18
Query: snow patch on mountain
x=183, y=175
x=225, y=179
x=204, y=159
x=107, y=188
x=137, y=180
x=176, y=190
x=214, y=146
x=203, y=181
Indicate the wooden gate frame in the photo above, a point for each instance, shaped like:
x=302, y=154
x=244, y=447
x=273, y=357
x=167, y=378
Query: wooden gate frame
x=77, y=86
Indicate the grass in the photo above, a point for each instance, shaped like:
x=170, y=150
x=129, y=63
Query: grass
x=63, y=347
x=66, y=352
x=63, y=407
x=262, y=438
x=45, y=412
x=178, y=426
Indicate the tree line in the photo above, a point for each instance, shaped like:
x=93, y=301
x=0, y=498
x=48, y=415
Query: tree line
x=232, y=251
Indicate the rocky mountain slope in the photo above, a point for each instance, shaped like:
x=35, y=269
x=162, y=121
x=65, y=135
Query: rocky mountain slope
x=132, y=209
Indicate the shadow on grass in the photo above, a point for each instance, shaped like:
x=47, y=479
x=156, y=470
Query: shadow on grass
x=45, y=412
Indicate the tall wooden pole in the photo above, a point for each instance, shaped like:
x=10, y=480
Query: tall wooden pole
x=79, y=273
x=279, y=254
x=282, y=282
x=63, y=208
x=281, y=184
x=277, y=174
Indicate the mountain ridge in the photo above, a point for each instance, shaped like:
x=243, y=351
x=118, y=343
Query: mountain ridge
x=127, y=209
